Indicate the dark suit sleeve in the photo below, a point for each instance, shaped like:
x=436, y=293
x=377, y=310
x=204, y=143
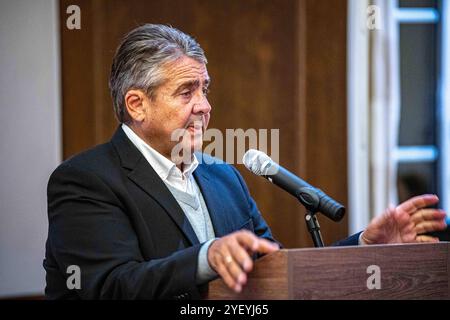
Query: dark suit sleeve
x=350, y=241
x=259, y=224
x=89, y=228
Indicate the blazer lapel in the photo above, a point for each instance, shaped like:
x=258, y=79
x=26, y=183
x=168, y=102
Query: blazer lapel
x=214, y=201
x=143, y=175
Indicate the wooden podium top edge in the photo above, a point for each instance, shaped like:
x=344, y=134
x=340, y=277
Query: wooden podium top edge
x=363, y=247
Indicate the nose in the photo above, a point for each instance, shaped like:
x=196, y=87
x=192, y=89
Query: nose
x=202, y=106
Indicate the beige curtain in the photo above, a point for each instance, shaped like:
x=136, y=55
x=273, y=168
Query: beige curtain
x=384, y=106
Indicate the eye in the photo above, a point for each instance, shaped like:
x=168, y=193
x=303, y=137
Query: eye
x=205, y=91
x=186, y=94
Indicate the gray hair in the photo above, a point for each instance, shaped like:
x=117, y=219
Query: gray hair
x=140, y=57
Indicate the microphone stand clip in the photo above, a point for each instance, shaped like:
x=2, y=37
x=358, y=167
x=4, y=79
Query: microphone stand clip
x=309, y=198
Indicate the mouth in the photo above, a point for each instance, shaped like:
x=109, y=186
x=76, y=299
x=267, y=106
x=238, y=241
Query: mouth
x=195, y=132
x=195, y=126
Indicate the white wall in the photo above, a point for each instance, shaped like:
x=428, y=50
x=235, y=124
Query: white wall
x=30, y=138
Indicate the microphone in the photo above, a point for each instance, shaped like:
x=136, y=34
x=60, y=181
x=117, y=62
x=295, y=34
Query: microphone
x=312, y=198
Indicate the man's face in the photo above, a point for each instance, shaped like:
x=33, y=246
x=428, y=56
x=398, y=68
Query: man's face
x=179, y=103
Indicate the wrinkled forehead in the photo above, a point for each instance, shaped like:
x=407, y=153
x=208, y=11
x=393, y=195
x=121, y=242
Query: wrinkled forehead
x=185, y=69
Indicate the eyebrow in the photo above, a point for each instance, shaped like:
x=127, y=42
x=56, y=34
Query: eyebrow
x=191, y=84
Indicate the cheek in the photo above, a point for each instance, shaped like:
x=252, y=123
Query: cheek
x=174, y=119
x=174, y=116
x=183, y=117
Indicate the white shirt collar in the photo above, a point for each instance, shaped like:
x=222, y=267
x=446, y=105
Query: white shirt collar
x=165, y=168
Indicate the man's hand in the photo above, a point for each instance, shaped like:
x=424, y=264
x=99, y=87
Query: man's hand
x=406, y=223
x=230, y=256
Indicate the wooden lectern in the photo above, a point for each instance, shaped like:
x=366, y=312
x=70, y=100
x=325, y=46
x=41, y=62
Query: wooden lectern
x=412, y=271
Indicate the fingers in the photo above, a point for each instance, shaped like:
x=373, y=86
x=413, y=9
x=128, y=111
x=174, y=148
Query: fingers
x=255, y=244
x=230, y=256
x=241, y=256
x=230, y=261
x=222, y=270
x=427, y=239
x=412, y=205
x=429, y=220
x=430, y=226
x=428, y=215
x=235, y=277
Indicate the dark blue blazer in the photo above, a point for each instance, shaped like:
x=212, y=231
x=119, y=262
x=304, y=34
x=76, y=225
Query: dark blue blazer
x=112, y=216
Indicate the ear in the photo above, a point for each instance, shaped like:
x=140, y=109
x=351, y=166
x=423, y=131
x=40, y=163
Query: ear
x=135, y=104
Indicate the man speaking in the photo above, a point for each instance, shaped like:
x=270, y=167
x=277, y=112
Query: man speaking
x=143, y=223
